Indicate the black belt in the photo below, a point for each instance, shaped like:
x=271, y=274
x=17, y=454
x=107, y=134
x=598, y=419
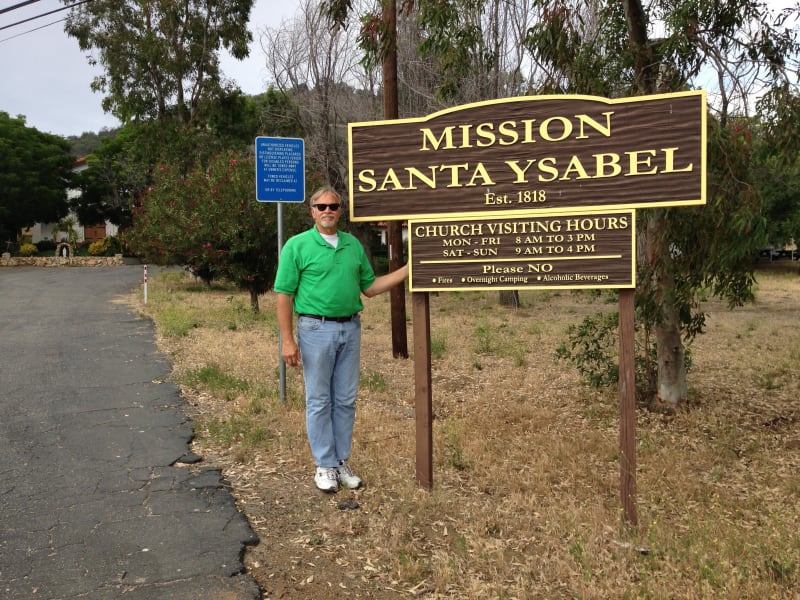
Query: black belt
x=337, y=319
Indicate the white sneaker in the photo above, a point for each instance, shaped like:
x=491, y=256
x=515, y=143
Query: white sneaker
x=347, y=477
x=327, y=479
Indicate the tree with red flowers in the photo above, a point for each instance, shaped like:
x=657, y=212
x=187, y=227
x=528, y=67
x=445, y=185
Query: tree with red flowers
x=210, y=220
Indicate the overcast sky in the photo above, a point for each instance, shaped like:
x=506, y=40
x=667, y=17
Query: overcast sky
x=45, y=77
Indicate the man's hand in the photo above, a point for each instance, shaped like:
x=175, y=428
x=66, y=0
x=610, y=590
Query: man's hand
x=290, y=353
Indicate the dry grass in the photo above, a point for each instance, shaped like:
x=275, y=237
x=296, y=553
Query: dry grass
x=526, y=473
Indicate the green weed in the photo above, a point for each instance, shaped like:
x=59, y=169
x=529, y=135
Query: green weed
x=212, y=378
x=455, y=450
x=781, y=568
x=177, y=321
x=237, y=429
x=487, y=340
x=374, y=381
x=438, y=345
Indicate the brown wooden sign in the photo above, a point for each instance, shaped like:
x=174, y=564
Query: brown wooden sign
x=580, y=250
x=543, y=154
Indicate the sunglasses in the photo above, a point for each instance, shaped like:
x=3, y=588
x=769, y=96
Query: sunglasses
x=322, y=207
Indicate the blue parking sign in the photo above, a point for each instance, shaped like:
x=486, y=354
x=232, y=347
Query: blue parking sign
x=280, y=169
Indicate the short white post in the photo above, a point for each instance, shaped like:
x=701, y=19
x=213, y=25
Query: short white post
x=145, y=284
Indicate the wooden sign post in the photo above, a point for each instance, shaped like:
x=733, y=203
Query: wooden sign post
x=627, y=406
x=421, y=314
x=530, y=192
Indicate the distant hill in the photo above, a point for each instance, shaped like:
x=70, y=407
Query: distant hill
x=86, y=142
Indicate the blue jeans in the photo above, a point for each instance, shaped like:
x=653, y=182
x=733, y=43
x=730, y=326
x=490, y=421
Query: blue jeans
x=330, y=353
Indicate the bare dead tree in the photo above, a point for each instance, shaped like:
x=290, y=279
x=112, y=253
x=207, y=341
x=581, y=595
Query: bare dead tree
x=321, y=67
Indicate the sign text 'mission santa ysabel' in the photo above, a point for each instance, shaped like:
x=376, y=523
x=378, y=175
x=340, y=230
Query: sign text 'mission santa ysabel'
x=530, y=170
x=545, y=154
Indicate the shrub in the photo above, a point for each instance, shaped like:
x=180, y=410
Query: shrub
x=28, y=250
x=114, y=245
x=46, y=246
x=593, y=349
x=108, y=246
x=99, y=247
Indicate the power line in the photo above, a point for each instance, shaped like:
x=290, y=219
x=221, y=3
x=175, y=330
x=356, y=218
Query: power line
x=32, y=30
x=16, y=6
x=39, y=16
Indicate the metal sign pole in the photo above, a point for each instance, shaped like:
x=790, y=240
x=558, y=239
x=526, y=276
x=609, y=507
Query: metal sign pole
x=281, y=363
x=280, y=177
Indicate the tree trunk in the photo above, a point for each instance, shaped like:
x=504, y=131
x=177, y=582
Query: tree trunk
x=509, y=298
x=671, y=381
x=671, y=384
x=671, y=370
x=254, y=300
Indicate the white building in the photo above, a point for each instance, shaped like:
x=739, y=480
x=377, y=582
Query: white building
x=85, y=233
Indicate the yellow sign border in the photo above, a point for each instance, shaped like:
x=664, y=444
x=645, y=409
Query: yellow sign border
x=555, y=285
x=528, y=210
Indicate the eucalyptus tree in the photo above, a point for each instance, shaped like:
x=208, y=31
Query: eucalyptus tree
x=161, y=78
x=448, y=52
x=736, y=50
x=160, y=59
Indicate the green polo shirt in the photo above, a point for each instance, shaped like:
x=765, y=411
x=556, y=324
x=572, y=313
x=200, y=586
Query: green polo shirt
x=324, y=280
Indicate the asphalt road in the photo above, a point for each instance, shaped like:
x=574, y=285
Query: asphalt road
x=96, y=500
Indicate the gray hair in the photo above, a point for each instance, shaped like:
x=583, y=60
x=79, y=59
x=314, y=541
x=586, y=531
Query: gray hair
x=325, y=189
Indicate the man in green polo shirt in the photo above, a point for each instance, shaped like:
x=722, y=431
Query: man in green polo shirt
x=321, y=275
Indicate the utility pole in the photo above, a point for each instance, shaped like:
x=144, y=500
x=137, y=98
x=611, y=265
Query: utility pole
x=394, y=229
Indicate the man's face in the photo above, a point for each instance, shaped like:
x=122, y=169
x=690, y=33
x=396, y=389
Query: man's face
x=324, y=216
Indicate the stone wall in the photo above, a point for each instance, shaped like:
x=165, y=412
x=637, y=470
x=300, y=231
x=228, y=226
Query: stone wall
x=6, y=260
